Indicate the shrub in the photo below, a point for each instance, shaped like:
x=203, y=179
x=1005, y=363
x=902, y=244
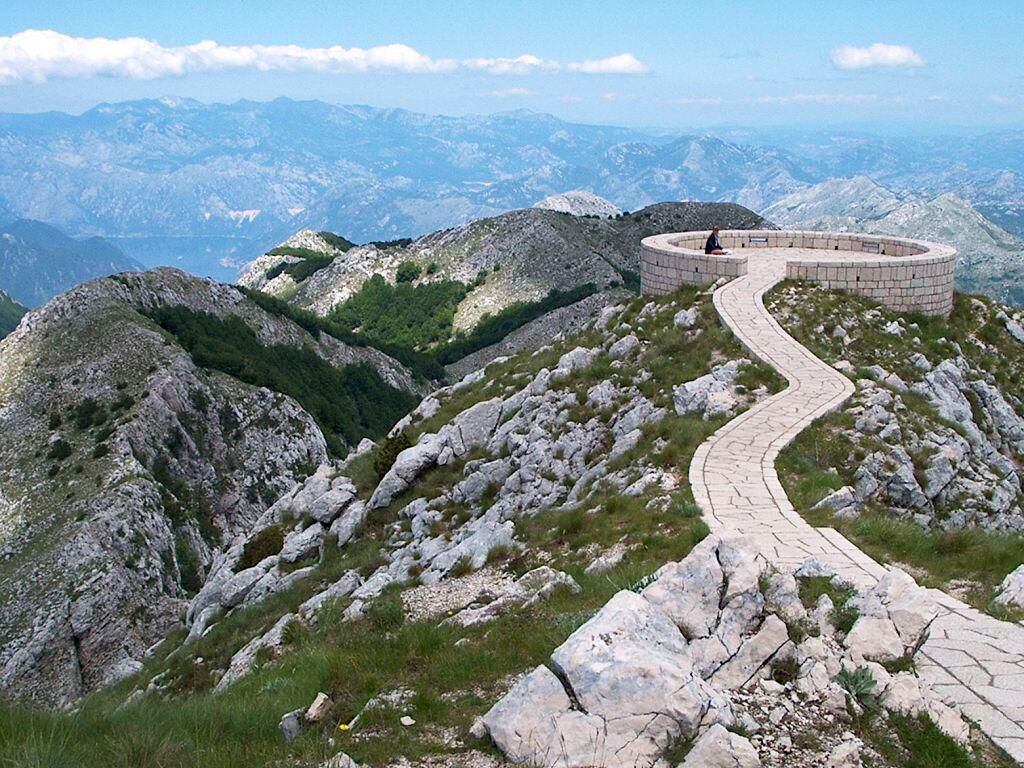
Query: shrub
x=89, y=413
x=388, y=452
x=405, y=314
x=188, y=565
x=493, y=328
x=432, y=268
x=265, y=543
x=423, y=366
x=337, y=241
x=407, y=272
x=59, y=450
x=348, y=403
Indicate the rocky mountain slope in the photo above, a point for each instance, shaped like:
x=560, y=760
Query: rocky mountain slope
x=991, y=260
x=521, y=255
x=519, y=563
x=147, y=419
x=38, y=261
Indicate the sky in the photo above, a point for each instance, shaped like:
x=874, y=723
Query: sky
x=640, y=63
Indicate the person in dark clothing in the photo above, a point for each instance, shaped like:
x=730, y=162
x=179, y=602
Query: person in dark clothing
x=713, y=246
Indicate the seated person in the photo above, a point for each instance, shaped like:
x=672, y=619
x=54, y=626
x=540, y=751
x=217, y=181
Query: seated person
x=713, y=246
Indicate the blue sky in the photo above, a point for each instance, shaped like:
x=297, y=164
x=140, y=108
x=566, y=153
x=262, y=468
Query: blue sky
x=668, y=64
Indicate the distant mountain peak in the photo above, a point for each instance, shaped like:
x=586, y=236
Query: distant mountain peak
x=579, y=202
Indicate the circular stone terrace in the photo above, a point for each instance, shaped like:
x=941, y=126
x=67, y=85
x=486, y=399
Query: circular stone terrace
x=901, y=274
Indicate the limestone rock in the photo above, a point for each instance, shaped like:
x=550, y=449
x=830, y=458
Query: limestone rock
x=1011, y=590
x=685, y=318
x=845, y=755
x=536, y=723
x=299, y=545
x=319, y=708
x=291, y=725
x=874, y=638
x=712, y=394
x=719, y=748
x=624, y=347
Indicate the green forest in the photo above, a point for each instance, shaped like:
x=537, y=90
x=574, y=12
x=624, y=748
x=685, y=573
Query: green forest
x=411, y=315
x=348, y=403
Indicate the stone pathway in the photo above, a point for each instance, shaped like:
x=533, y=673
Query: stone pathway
x=973, y=659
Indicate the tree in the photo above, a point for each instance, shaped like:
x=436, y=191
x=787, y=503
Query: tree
x=407, y=272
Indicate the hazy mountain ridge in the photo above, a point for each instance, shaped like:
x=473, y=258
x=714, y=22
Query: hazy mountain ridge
x=990, y=259
x=38, y=261
x=254, y=172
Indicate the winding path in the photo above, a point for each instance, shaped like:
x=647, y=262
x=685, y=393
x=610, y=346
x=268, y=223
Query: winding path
x=971, y=658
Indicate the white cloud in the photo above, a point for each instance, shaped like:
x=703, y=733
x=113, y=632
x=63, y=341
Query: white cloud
x=702, y=100
x=796, y=98
x=572, y=99
x=39, y=55
x=818, y=98
x=876, y=56
x=623, y=64
x=1000, y=100
x=506, y=92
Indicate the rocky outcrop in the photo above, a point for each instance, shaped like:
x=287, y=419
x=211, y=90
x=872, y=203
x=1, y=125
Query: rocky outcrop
x=579, y=202
x=689, y=657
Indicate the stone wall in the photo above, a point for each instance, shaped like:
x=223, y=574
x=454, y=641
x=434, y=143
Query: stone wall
x=904, y=275
x=666, y=265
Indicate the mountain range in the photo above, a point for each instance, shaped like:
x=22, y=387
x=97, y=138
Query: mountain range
x=38, y=261
x=206, y=187
x=990, y=259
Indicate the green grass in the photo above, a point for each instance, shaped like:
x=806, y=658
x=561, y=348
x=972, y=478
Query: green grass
x=973, y=325
x=920, y=744
x=352, y=662
x=819, y=460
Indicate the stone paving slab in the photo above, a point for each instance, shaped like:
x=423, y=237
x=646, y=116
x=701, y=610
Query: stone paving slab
x=974, y=660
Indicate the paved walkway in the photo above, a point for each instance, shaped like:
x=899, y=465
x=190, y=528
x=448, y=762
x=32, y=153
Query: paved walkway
x=973, y=659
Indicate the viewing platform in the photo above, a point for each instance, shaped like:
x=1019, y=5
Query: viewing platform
x=901, y=274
